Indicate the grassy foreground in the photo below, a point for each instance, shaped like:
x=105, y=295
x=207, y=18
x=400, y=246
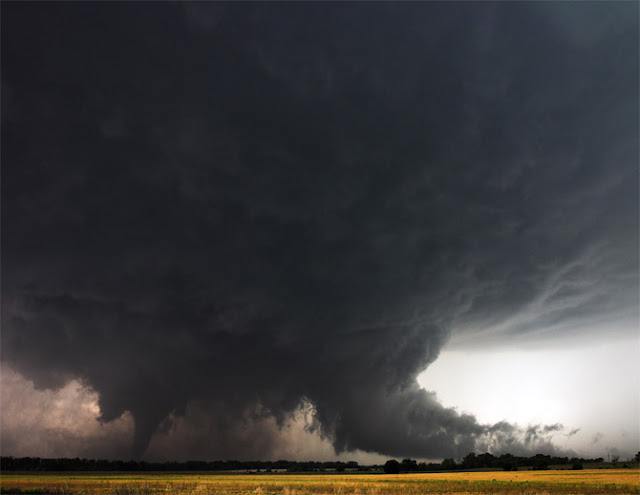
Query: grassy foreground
x=609, y=481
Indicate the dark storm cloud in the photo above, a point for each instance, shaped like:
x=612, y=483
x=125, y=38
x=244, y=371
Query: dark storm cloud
x=533, y=432
x=252, y=205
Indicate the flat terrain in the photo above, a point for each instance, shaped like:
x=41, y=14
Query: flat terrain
x=614, y=481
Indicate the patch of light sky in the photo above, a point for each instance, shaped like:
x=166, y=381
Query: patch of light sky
x=594, y=388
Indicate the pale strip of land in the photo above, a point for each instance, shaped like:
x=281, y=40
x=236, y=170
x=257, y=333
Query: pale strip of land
x=595, y=481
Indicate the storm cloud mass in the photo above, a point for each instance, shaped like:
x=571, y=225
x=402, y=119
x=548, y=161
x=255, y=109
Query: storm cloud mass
x=215, y=212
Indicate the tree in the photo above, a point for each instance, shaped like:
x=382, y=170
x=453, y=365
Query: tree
x=508, y=462
x=449, y=464
x=540, y=462
x=486, y=460
x=469, y=461
x=409, y=465
x=392, y=467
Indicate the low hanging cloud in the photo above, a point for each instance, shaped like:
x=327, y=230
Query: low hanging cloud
x=63, y=422
x=284, y=222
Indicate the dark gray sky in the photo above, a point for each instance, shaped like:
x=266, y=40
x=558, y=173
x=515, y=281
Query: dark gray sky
x=221, y=220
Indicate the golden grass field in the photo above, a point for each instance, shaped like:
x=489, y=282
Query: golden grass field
x=620, y=481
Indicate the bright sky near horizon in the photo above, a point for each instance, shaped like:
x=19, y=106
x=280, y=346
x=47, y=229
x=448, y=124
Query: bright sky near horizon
x=594, y=388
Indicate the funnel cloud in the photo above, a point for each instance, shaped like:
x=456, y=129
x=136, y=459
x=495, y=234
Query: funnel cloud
x=216, y=216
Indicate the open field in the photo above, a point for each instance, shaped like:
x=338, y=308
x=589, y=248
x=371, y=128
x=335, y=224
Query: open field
x=621, y=481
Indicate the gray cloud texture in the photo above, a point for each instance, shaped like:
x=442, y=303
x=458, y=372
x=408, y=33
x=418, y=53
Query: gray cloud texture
x=234, y=209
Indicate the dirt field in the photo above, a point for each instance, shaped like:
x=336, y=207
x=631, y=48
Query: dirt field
x=621, y=481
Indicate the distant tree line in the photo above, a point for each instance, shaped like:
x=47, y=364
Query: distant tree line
x=77, y=464
x=506, y=462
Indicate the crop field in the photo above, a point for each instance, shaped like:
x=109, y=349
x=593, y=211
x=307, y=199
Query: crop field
x=596, y=481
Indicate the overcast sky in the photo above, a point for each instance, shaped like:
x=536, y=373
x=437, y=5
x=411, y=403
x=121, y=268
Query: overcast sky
x=245, y=230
